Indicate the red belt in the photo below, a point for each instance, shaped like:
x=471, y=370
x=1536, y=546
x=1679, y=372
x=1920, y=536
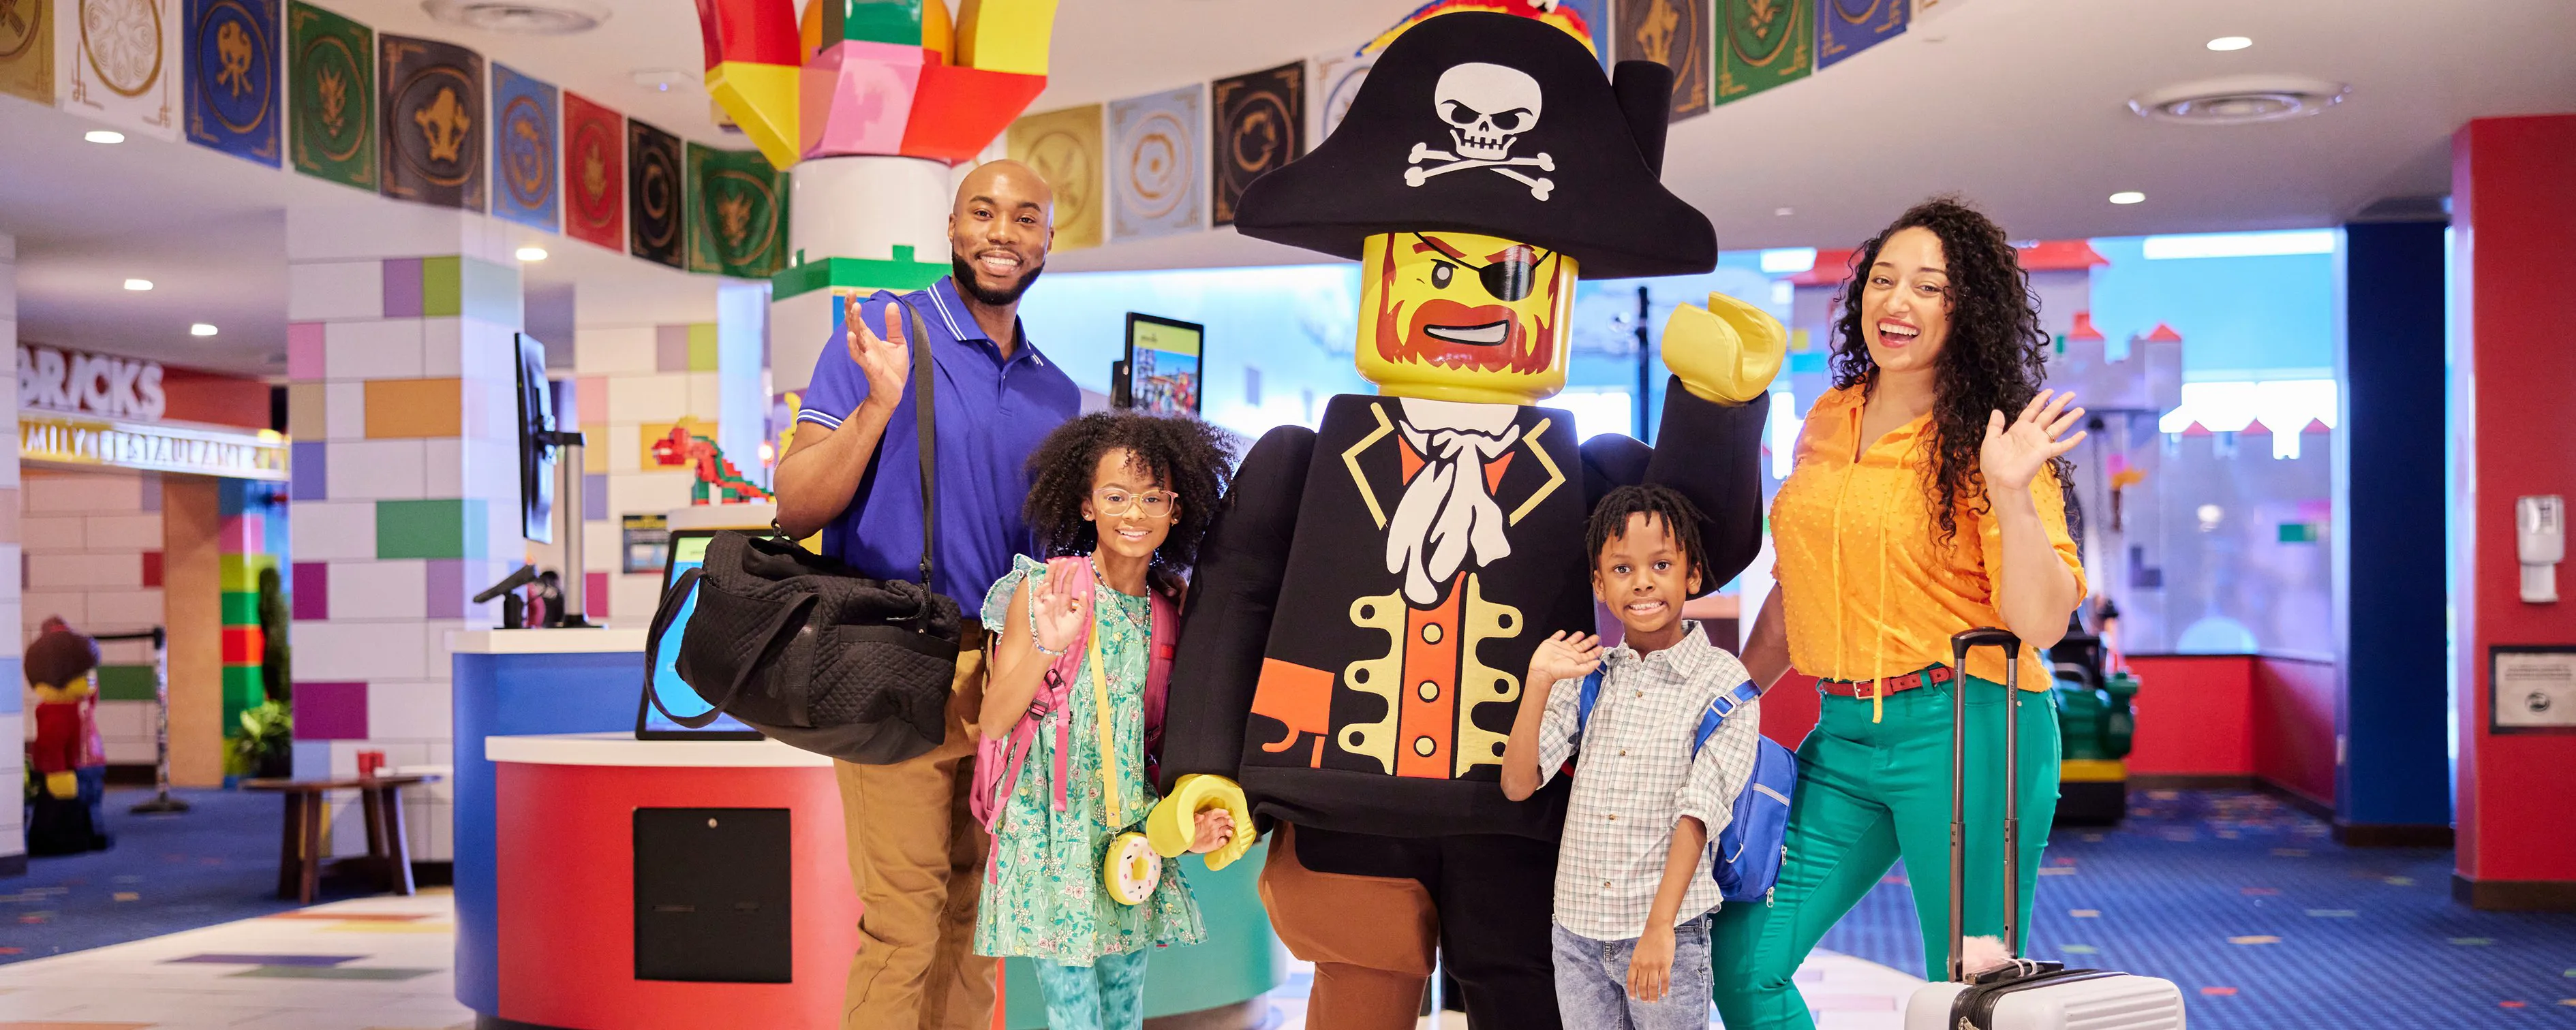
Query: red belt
x=1868, y=689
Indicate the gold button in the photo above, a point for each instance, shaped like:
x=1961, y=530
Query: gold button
x=1429, y=690
x=1623, y=752
x=1423, y=746
x=1431, y=632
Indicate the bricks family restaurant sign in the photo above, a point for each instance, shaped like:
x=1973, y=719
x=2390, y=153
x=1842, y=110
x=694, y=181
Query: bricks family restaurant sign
x=102, y=410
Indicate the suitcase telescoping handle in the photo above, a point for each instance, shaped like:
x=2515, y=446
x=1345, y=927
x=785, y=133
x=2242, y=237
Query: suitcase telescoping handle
x=1960, y=645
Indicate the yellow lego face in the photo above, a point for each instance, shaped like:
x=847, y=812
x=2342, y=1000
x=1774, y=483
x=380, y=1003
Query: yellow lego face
x=1458, y=316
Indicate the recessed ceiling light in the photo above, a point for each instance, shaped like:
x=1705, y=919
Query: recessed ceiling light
x=532, y=254
x=2128, y=197
x=201, y=329
x=138, y=285
x=1784, y=212
x=2240, y=99
x=519, y=17
x=663, y=80
x=104, y=136
x=2223, y=43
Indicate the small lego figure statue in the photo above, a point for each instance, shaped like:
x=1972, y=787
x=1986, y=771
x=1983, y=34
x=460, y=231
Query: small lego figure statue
x=68, y=759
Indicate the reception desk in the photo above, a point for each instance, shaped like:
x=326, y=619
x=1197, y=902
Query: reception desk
x=594, y=870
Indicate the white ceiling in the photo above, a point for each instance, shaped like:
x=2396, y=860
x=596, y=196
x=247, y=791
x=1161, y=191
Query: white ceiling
x=2019, y=104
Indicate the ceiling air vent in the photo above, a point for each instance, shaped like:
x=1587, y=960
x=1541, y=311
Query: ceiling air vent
x=520, y=17
x=2240, y=100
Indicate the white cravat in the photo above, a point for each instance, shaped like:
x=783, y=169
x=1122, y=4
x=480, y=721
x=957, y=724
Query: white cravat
x=1446, y=513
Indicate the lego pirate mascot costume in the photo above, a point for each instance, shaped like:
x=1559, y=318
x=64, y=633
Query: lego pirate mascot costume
x=1349, y=667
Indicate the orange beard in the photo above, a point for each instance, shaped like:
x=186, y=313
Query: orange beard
x=1527, y=345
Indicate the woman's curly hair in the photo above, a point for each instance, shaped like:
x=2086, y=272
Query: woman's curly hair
x=1190, y=458
x=1992, y=361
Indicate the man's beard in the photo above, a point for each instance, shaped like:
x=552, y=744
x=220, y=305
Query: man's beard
x=964, y=274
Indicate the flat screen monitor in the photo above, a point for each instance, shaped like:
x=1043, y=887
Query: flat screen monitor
x=688, y=551
x=1163, y=364
x=536, y=442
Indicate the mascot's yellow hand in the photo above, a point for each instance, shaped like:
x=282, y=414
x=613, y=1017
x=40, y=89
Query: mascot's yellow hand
x=1173, y=824
x=1727, y=352
x=62, y=786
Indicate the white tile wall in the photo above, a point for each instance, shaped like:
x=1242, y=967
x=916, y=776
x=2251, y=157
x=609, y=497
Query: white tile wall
x=334, y=290
x=327, y=530
x=622, y=350
x=340, y=650
x=378, y=470
x=388, y=349
x=390, y=589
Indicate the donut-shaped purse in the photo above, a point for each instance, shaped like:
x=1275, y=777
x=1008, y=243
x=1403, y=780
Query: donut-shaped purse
x=1132, y=869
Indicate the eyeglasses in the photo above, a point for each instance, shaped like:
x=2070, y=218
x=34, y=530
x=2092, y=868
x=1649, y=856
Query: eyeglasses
x=1509, y=279
x=1110, y=500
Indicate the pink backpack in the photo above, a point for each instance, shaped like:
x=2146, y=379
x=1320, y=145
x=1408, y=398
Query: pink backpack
x=997, y=761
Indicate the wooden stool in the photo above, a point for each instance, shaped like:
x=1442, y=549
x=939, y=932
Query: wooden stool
x=301, y=848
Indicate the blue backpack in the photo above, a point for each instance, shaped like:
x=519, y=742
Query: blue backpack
x=1745, y=857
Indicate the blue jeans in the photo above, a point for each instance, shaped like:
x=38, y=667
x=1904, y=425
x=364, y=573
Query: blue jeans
x=1592, y=982
x=1108, y=994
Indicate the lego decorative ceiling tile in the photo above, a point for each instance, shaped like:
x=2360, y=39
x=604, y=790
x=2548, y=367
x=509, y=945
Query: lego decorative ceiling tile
x=1847, y=27
x=433, y=133
x=442, y=286
x=322, y=291
x=764, y=102
x=330, y=710
x=1257, y=123
x=702, y=346
x=527, y=151
x=27, y=52
x=312, y=591
x=231, y=49
x=594, y=173
x=958, y=111
x=752, y=31
x=1065, y=149
x=331, y=75
x=858, y=97
x=737, y=213
x=412, y=408
x=1675, y=34
x=1005, y=35
x=120, y=63
x=1157, y=157
x=430, y=528
x=304, y=352
x=1762, y=44
x=656, y=196
x=390, y=348
x=309, y=477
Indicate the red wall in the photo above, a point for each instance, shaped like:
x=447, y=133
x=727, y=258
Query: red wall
x=215, y=398
x=2513, y=214
x=2195, y=715
x=2294, y=725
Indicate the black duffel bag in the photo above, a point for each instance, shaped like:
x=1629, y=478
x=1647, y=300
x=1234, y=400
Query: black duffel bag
x=808, y=651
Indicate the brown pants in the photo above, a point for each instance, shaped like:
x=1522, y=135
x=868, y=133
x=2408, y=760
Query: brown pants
x=917, y=860
x=1371, y=939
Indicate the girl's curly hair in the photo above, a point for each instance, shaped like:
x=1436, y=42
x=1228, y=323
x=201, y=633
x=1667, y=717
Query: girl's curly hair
x=1183, y=455
x=1994, y=357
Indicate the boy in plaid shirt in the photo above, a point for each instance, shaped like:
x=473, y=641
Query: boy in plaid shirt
x=1633, y=891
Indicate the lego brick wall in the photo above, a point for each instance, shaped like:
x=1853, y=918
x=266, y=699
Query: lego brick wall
x=632, y=385
x=92, y=542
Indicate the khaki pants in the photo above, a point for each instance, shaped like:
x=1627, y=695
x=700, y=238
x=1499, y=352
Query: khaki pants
x=917, y=860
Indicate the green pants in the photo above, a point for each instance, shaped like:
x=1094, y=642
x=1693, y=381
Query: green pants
x=1869, y=794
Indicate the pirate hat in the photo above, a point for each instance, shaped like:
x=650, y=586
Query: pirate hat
x=1503, y=126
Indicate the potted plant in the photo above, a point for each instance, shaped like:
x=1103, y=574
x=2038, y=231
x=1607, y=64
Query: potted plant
x=265, y=747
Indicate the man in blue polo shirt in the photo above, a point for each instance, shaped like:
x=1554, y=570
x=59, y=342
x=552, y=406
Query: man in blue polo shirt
x=853, y=473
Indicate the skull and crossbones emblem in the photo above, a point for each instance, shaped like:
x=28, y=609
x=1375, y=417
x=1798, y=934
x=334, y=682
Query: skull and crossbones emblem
x=1487, y=107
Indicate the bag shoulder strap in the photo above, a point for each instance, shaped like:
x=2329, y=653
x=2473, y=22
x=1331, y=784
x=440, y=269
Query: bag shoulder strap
x=1718, y=710
x=926, y=423
x=1158, y=659
x=1585, y=698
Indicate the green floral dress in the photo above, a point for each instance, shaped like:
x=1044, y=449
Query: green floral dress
x=1044, y=897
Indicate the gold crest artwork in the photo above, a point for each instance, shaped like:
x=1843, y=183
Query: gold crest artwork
x=121, y=62
x=233, y=46
x=1655, y=35
x=444, y=123
x=1065, y=148
x=594, y=172
x=334, y=90
x=733, y=218
x=27, y=50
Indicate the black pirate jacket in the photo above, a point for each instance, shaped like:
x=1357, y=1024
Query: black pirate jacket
x=1368, y=598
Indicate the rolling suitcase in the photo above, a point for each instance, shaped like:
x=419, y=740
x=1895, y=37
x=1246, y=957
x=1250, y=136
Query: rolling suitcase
x=2024, y=994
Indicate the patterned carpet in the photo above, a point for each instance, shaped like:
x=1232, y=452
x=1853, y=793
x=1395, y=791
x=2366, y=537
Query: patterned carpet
x=2267, y=924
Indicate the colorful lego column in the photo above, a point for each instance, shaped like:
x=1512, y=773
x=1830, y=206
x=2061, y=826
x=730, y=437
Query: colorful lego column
x=869, y=105
x=13, y=766
x=250, y=539
x=400, y=355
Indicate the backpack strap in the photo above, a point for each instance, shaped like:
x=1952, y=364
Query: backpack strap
x=1585, y=698
x=1718, y=710
x=1158, y=677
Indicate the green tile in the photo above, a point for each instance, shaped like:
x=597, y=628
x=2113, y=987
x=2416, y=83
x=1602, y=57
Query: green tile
x=244, y=684
x=127, y=683
x=241, y=607
x=333, y=973
x=489, y=292
x=702, y=347
x=441, y=287
x=430, y=529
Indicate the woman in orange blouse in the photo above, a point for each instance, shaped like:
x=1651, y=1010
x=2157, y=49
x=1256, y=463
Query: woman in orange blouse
x=1925, y=500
